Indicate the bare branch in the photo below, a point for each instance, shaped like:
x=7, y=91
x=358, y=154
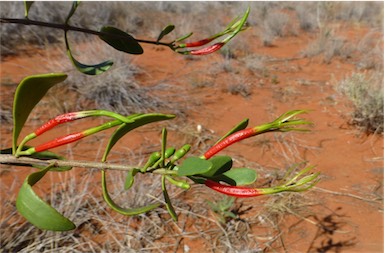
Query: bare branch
x=28, y=161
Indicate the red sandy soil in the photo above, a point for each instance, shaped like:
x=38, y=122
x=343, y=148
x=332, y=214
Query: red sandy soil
x=351, y=162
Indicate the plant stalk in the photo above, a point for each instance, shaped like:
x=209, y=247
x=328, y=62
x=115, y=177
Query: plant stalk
x=28, y=161
x=66, y=27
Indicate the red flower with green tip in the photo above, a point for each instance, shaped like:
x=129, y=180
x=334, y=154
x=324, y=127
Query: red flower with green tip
x=208, y=50
x=295, y=184
x=233, y=29
x=283, y=123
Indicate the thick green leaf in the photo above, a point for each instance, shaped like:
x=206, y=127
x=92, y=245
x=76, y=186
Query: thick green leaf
x=193, y=166
x=130, y=178
x=164, y=143
x=37, y=211
x=87, y=69
x=237, y=176
x=169, y=206
x=75, y=5
x=28, y=93
x=45, y=155
x=120, y=40
x=139, y=120
x=242, y=125
x=121, y=210
x=221, y=164
x=165, y=31
x=27, y=6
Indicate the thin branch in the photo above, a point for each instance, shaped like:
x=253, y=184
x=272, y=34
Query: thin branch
x=66, y=27
x=28, y=161
x=348, y=195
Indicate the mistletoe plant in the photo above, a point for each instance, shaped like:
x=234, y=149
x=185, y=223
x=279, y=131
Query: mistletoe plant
x=126, y=43
x=174, y=165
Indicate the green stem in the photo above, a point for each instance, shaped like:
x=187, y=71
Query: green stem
x=24, y=141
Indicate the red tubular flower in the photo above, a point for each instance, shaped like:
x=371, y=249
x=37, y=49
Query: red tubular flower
x=208, y=50
x=198, y=43
x=229, y=140
x=283, y=123
x=60, y=141
x=235, y=191
x=302, y=181
x=56, y=121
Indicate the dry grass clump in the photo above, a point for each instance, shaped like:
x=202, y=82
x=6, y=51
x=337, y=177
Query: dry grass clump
x=274, y=25
x=329, y=45
x=371, y=51
x=366, y=91
x=120, y=92
x=307, y=16
x=241, y=88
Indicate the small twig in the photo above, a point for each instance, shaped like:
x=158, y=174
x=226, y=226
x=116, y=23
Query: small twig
x=346, y=194
x=66, y=27
x=28, y=161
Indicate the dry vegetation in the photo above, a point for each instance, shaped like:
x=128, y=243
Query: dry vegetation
x=223, y=225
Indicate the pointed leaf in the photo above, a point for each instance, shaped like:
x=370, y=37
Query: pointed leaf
x=165, y=31
x=184, y=37
x=139, y=120
x=87, y=69
x=242, y=125
x=28, y=93
x=193, y=166
x=237, y=176
x=45, y=155
x=221, y=164
x=37, y=211
x=121, y=210
x=130, y=178
x=27, y=6
x=169, y=206
x=120, y=40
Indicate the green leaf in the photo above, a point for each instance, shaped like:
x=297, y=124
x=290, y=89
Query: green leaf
x=139, y=120
x=121, y=210
x=237, y=176
x=165, y=31
x=75, y=5
x=45, y=155
x=221, y=164
x=27, y=6
x=163, y=150
x=130, y=178
x=242, y=125
x=37, y=211
x=28, y=93
x=120, y=40
x=169, y=206
x=87, y=69
x=193, y=166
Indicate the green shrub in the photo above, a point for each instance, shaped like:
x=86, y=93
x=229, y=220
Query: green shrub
x=366, y=91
